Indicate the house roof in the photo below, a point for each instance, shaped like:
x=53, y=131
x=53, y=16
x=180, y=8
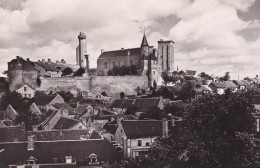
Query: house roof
x=64, y=106
x=121, y=103
x=142, y=128
x=230, y=85
x=46, y=117
x=44, y=152
x=65, y=123
x=51, y=66
x=22, y=85
x=144, y=41
x=123, y=52
x=146, y=104
x=116, y=103
x=256, y=99
x=218, y=84
x=42, y=100
x=190, y=72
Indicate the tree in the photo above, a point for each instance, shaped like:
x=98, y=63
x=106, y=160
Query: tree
x=67, y=71
x=79, y=72
x=187, y=91
x=67, y=96
x=218, y=132
x=226, y=77
x=28, y=118
x=122, y=95
x=174, y=110
x=16, y=100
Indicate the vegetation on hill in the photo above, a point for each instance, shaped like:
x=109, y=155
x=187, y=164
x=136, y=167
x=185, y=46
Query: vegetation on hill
x=67, y=71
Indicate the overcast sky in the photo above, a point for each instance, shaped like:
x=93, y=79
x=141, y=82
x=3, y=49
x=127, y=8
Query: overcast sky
x=213, y=36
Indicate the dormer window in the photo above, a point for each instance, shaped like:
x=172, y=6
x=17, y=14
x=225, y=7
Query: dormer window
x=68, y=159
x=93, y=159
x=31, y=160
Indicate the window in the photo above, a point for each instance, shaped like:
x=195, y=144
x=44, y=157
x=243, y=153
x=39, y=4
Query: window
x=24, y=89
x=29, y=95
x=147, y=144
x=25, y=95
x=139, y=142
x=105, y=64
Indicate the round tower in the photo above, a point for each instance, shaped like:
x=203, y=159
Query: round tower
x=15, y=73
x=82, y=49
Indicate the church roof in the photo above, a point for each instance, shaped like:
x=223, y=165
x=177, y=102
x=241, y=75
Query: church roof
x=122, y=52
x=144, y=41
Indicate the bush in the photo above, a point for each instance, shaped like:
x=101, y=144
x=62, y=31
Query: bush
x=67, y=71
x=79, y=72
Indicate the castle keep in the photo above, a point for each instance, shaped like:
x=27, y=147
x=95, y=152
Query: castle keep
x=47, y=75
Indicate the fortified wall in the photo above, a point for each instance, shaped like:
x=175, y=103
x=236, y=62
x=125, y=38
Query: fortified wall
x=112, y=85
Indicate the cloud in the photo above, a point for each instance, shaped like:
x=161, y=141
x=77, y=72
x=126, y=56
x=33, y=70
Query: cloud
x=209, y=35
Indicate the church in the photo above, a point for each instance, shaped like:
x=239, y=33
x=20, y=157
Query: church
x=148, y=60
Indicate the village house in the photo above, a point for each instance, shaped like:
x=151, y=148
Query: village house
x=26, y=90
x=119, y=106
x=137, y=136
x=218, y=87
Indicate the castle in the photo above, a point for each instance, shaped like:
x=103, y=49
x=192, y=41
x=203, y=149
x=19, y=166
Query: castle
x=47, y=75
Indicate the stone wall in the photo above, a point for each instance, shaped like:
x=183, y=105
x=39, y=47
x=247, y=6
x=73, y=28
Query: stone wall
x=66, y=83
x=113, y=85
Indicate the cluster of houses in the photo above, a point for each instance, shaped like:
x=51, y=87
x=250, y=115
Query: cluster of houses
x=87, y=134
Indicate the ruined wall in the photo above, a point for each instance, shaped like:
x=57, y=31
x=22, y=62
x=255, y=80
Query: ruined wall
x=113, y=85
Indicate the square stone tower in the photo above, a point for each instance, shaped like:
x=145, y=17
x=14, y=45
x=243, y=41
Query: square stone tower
x=166, y=55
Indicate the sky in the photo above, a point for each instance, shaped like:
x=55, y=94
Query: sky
x=212, y=36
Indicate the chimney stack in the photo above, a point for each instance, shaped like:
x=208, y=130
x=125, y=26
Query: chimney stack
x=122, y=48
x=43, y=60
x=28, y=59
x=102, y=50
x=49, y=60
x=165, y=128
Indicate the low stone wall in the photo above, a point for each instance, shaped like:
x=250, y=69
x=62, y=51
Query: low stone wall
x=113, y=85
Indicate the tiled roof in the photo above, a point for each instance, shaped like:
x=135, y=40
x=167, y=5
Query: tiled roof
x=51, y=66
x=65, y=123
x=190, y=72
x=121, y=103
x=116, y=103
x=142, y=128
x=146, y=104
x=43, y=100
x=257, y=99
x=46, y=117
x=218, y=84
x=124, y=52
x=44, y=152
x=64, y=106
x=230, y=85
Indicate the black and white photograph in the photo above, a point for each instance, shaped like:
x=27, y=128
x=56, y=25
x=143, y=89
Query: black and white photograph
x=130, y=84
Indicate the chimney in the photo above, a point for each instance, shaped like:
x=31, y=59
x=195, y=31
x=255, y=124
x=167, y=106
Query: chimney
x=164, y=128
x=17, y=57
x=102, y=50
x=30, y=142
x=125, y=148
x=39, y=60
x=256, y=76
x=63, y=61
x=49, y=60
x=173, y=122
x=43, y=60
x=28, y=59
x=128, y=52
x=122, y=48
x=161, y=39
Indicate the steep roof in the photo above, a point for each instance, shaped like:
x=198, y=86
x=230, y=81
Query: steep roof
x=116, y=103
x=144, y=41
x=42, y=100
x=146, y=104
x=142, y=128
x=44, y=152
x=124, y=52
x=218, y=84
x=230, y=85
x=65, y=123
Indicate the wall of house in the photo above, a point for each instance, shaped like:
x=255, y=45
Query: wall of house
x=26, y=91
x=118, y=61
x=113, y=85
